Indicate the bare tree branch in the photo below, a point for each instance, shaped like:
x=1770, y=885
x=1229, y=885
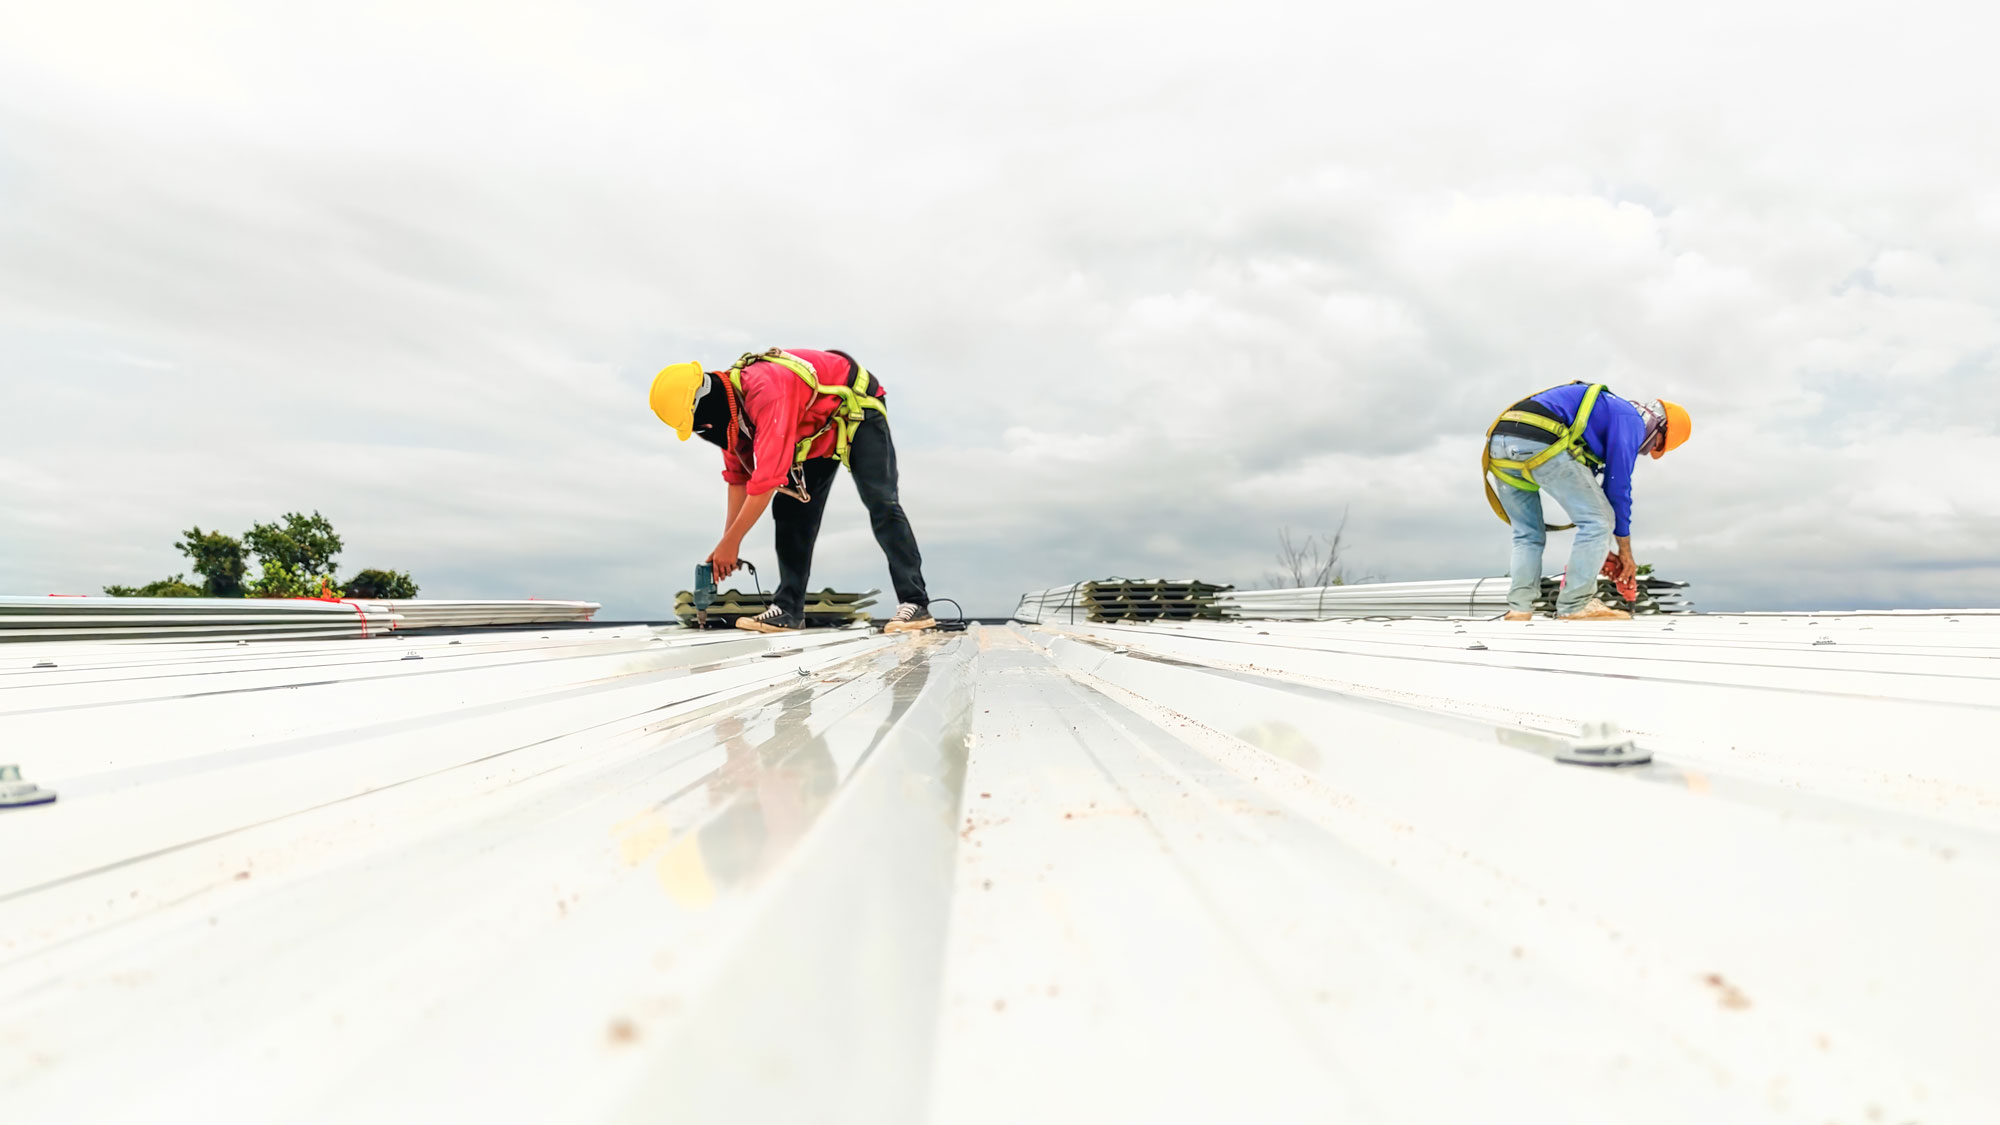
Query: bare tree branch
x=1312, y=561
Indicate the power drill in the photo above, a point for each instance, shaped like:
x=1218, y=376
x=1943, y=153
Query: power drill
x=704, y=590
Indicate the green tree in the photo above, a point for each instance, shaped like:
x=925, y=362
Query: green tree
x=218, y=558
x=381, y=584
x=175, y=587
x=295, y=556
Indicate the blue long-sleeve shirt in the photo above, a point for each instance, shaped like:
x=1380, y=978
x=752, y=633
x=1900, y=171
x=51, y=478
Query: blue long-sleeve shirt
x=1614, y=434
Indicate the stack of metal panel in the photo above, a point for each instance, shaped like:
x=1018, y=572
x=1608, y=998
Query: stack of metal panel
x=1456, y=597
x=1452, y=597
x=1153, y=599
x=1656, y=595
x=1123, y=599
x=1053, y=605
x=440, y=613
x=93, y=618
x=827, y=609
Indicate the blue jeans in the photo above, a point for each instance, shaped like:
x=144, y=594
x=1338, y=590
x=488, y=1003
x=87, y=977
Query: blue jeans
x=1564, y=478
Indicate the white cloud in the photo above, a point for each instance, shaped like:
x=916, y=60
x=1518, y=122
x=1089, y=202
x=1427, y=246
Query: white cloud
x=1146, y=282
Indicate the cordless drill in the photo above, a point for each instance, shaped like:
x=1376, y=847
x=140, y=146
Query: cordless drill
x=704, y=590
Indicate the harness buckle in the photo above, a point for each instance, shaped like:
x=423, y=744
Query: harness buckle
x=795, y=486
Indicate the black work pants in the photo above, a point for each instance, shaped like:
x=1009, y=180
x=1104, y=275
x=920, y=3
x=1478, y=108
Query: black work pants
x=872, y=456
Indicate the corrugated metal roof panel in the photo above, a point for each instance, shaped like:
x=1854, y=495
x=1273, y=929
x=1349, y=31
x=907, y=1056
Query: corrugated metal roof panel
x=1192, y=871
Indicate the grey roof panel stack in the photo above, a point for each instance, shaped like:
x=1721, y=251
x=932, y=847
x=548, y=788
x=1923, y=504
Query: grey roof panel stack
x=827, y=609
x=1123, y=599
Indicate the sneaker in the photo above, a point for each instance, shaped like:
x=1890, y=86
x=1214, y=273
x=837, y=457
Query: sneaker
x=773, y=620
x=909, y=618
x=1594, y=610
x=1519, y=615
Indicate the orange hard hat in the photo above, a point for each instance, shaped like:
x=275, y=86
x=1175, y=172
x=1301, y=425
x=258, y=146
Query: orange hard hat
x=1677, y=429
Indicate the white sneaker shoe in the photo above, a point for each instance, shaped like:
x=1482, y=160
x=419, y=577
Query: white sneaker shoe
x=909, y=618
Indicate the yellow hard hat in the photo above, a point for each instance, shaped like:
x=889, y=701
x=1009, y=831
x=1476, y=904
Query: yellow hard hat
x=673, y=394
x=1679, y=426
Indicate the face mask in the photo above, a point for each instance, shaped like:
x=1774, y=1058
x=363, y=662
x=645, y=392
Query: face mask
x=1656, y=423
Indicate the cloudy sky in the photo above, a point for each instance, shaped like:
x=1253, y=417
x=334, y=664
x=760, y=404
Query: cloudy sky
x=1147, y=281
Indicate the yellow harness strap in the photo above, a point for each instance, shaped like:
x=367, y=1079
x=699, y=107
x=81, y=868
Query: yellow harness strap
x=1521, y=474
x=855, y=401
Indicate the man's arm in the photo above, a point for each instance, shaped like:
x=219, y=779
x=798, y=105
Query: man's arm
x=745, y=511
x=1621, y=454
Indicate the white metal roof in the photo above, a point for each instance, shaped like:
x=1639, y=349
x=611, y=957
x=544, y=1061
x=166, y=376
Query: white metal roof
x=1203, y=871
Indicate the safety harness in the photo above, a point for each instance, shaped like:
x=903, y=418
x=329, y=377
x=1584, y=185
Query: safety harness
x=855, y=400
x=1521, y=474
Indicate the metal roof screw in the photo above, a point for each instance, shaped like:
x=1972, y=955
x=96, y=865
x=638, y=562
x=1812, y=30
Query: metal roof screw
x=1603, y=744
x=15, y=793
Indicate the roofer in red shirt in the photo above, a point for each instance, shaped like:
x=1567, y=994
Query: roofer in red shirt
x=786, y=421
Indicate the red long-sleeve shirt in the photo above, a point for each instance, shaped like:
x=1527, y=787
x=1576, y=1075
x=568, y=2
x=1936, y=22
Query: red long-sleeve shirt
x=782, y=412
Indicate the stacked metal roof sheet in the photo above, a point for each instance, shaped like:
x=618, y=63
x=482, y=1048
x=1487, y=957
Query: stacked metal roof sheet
x=827, y=609
x=1184, y=871
x=1057, y=603
x=1456, y=597
x=67, y=618
x=1123, y=599
x=1470, y=597
x=92, y=618
x=440, y=613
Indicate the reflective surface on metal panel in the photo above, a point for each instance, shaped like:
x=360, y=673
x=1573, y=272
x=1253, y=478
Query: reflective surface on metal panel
x=1180, y=870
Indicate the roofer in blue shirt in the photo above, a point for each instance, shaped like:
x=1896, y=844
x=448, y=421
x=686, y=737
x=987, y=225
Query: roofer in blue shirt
x=1558, y=442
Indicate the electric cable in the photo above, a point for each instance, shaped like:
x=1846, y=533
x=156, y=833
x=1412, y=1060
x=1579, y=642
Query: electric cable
x=957, y=624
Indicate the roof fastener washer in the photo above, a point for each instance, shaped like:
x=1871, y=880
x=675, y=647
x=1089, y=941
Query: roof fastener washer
x=14, y=792
x=1603, y=744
